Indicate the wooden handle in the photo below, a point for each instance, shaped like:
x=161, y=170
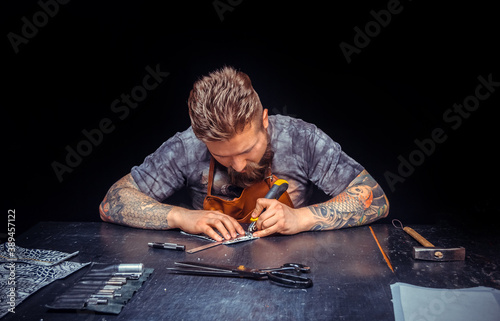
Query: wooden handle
x=418, y=237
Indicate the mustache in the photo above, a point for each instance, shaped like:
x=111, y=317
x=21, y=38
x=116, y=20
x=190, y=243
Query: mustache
x=254, y=172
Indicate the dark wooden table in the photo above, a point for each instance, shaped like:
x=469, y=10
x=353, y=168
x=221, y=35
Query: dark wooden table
x=351, y=278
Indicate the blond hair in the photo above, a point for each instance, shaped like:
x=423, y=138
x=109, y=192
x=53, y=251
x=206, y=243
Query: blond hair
x=222, y=104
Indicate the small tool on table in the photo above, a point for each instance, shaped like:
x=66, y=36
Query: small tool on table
x=428, y=251
x=386, y=258
x=167, y=246
x=275, y=275
x=105, y=288
x=278, y=188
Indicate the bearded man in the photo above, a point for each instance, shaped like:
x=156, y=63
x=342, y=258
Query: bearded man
x=229, y=158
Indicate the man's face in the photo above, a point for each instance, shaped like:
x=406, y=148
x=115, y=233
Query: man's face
x=242, y=154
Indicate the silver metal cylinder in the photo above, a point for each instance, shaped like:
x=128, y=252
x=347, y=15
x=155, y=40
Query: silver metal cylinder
x=131, y=268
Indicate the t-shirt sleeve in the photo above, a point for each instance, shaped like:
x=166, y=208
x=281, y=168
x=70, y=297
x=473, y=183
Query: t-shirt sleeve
x=330, y=168
x=160, y=175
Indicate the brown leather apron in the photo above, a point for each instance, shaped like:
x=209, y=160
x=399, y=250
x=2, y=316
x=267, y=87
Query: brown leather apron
x=240, y=208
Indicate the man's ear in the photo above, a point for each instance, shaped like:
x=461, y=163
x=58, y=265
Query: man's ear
x=265, y=118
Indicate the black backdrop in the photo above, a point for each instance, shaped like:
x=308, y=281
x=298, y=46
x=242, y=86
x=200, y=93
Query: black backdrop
x=375, y=84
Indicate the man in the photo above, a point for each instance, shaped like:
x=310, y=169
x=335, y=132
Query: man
x=228, y=159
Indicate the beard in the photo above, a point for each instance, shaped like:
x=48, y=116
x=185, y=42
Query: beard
x=254, y=172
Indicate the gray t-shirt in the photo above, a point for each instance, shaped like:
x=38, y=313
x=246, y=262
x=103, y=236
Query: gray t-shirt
x=303, y=155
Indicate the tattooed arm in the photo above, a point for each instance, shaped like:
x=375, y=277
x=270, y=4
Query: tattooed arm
x=362, y=202
x=125, y=204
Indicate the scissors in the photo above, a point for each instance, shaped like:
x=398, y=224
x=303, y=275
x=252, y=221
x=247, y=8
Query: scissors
x=277, y=276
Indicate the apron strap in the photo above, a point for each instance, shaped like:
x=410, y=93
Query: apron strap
x=211, y=176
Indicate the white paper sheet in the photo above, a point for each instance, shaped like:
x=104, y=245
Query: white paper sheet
x=414, y=303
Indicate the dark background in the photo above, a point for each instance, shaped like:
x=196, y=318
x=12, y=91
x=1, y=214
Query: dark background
x=394, y=91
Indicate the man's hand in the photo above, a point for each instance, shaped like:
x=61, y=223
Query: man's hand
x=277, y=218
x=200, y=221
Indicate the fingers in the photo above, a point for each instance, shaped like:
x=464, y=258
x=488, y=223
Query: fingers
x=211, y=232
x=234, y=228
x=268, y=227
x=227, y=226
x=261, y=205
x=238, y=227
x=258, y=209
x=265, y=232
x=272, y=220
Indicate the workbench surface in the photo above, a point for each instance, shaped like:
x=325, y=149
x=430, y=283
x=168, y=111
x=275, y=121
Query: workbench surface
x=351, y=278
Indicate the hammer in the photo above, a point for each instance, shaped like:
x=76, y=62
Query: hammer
x=429, y=252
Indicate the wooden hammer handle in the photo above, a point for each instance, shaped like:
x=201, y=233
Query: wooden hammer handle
x=418, y=237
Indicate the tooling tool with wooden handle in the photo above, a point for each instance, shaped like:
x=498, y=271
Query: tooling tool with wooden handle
x=431, y=253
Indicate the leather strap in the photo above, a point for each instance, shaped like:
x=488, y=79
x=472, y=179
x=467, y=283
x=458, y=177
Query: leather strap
x=211, y=176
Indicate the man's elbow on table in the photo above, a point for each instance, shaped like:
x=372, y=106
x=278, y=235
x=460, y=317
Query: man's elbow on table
x=103, y=209
x=361, y=203
x=116, y=199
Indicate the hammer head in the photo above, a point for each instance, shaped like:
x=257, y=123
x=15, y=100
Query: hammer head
x=438, y=254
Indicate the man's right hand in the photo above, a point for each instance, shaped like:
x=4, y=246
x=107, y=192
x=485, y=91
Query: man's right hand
x=201, y=221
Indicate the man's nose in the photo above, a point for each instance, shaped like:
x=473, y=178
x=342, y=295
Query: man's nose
x=238, y=163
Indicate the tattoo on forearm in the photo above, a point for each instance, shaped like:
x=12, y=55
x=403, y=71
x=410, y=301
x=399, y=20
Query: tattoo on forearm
x=124, y=204
x=361, y=203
